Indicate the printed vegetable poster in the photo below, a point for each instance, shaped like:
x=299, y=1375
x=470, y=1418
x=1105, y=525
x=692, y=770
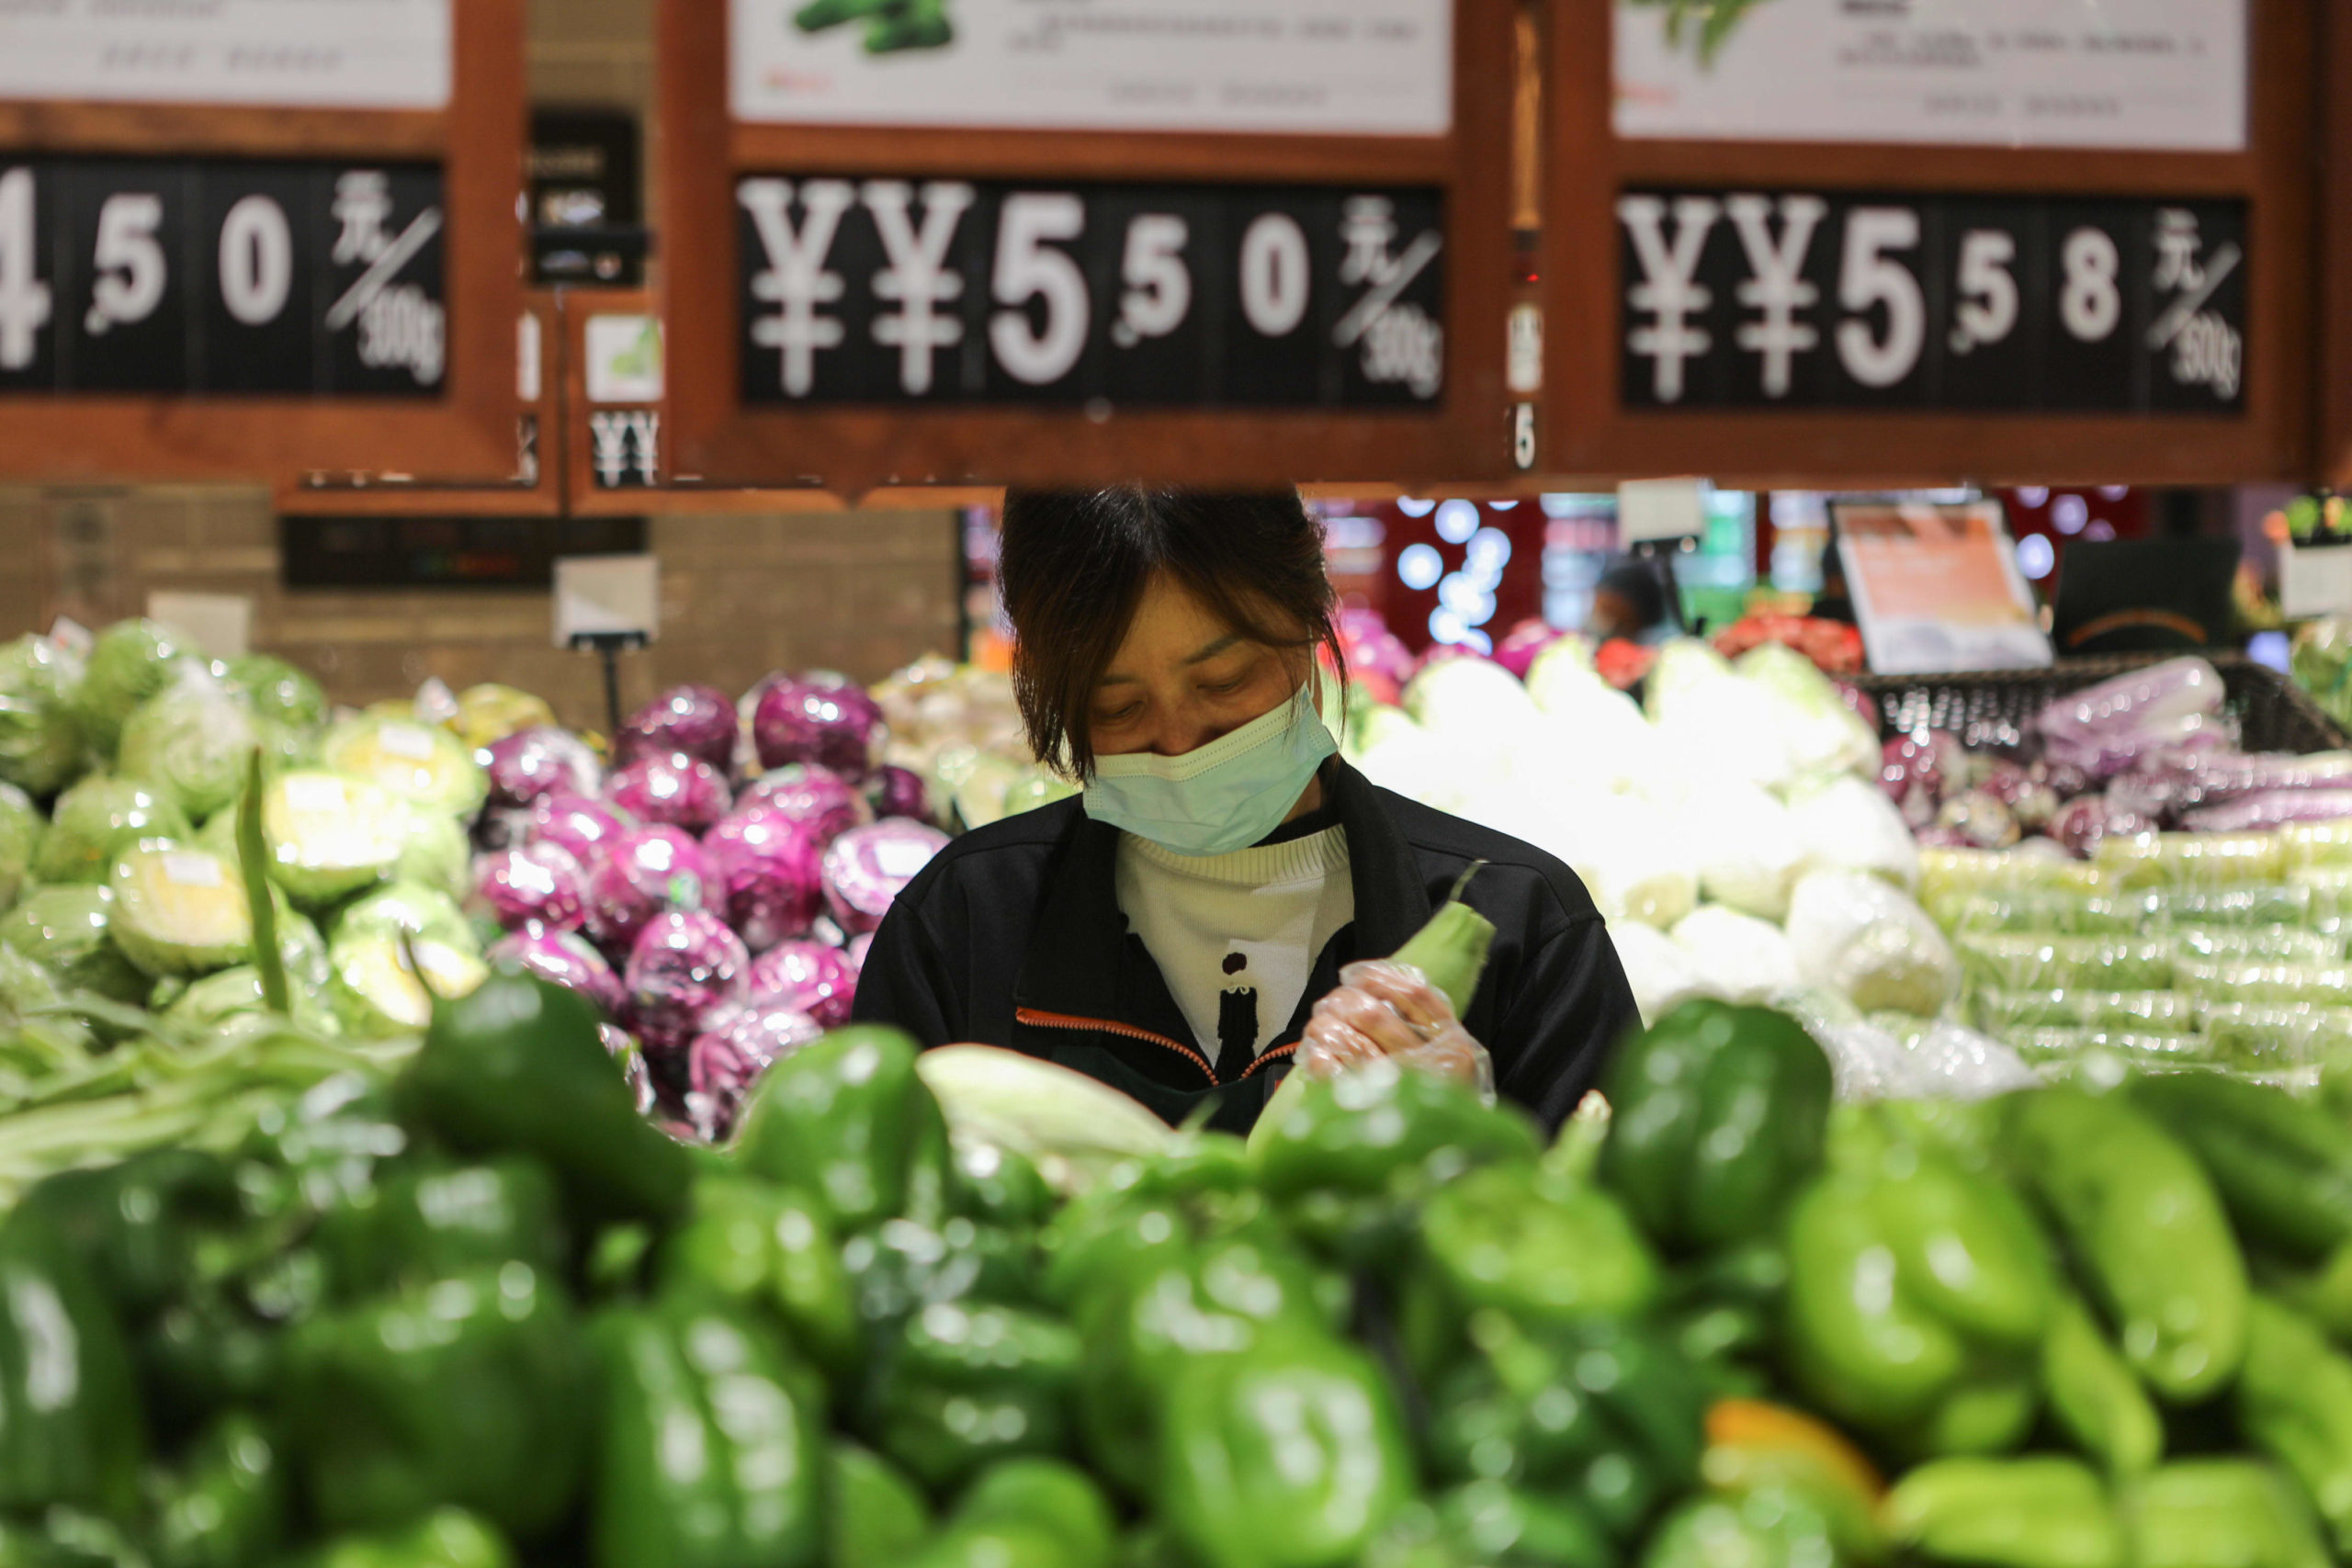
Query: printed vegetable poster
x=1936, y=587
x=2147, y=74
x=1311, y=67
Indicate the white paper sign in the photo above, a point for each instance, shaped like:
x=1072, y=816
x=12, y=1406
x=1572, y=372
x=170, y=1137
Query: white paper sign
x=359, y=55
x=221, y=623
x=606, y=595
x=1661, y=509
x=2145, y=74
x=1328, y=67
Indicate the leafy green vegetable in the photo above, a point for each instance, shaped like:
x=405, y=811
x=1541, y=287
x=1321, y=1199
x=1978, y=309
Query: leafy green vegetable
x=96, y=820
x=67, y=930
x=420, y=763
x=41, y=741
x=190, y=740
x=279, y=692
x=179, y=909
x=21, y=827
x=130, y=662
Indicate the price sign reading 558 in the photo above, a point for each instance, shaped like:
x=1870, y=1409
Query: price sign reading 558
x=1801, y=299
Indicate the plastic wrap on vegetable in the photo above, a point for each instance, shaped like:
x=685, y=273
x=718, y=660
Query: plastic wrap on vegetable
x=2261, y=945
x=2242, y=904
x=1710, y=720
x=1427, y=983
x=2031, y=961
x=2146, y=1049
x=2106, y=728
x=1948, y=876
x=1822, y=733
x=2005, y=1013
x=2329, y=887
x=1736, y=956
x=1750, y=851
x=2271, y=808
x=2307, y=984
x=1961, y=1064
x=2059, y=912
x=2273, y=1034
x=1868, y=1063
x=2081, y=824
x=1843, y=824
x=1863, y=937
x=698, y=721
x=2192, y=859
x=1662, y=972
x=2317, y=843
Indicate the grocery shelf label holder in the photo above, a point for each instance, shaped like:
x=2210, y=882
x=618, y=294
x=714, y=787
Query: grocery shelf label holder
x=921, y=257
x=2020, y=297
x=250, y=241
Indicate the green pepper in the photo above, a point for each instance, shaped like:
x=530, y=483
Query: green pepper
x=2294, y=1403
x=70, y=1422
x=1000, y=1187
x=322, y=1149
x=2038, y=1512
x=753, y=1241
x=226, y=1508
x=848, y=1121
x=1349, y=1155
x=1717, y=1116
x=713, y=1442
x=1919, y=1295
x=2143, y=1220
x=467, y=1392
x=137, y=1225
x=1490, y=1240
x=1147, y=1214
x=68, y=1538
x=1037, y=1513
x=875, y=1517
x=966, y=1384
x=1289, y=1455
x=2094, y=1397
x=517, y=1067
x=899, y=1267
x=2198, y=1513
x=419, y=1224
x=1503, y=1526
x=1764, y=1530
x=204, y=1355
x=1149, y=1331
x=1603, y=1411
x=446, y=1538
x=2283, y=1165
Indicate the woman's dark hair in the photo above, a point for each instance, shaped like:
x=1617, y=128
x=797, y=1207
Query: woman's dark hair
x=1073, y=567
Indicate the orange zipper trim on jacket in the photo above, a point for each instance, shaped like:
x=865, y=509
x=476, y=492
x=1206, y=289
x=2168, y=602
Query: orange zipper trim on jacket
x=1270, y=1052
x=1036, y=1018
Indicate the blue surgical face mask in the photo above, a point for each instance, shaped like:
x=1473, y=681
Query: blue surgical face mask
x=1221, y=796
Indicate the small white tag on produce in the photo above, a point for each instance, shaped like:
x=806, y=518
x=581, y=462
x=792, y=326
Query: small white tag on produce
x=405, y=740
x=188, y=868
x=312, y=793
x=902, y=858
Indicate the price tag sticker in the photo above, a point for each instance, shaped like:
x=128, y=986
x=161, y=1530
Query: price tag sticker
x=189, y=868
x=406, y=740
x=902, y=858
x=311, y=792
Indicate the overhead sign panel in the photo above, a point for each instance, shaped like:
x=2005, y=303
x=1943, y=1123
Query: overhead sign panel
x=1296, y=67
x=358, y=54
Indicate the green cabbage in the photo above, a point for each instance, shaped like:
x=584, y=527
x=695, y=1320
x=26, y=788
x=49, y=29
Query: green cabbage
x=226, y=993
x=96, y=819
x=412, y=907
x=179, y=909
x=130, y=662
x=377, y=994
x=421, y=764
x=66, y=931
x=277, y=692
x=190, y=740
x=330, y=836
x=435, y=853
x=21, y=827
x=40, y=739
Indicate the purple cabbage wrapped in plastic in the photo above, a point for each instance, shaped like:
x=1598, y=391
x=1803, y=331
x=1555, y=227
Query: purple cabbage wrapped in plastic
x=698, y=720
x=2222, y=776
x=648, y=870
x=566, y=959
x=672, y=787
x=587, y=828
x=2271, y=808
x=865, y=867
x=2082, y=822
x=894, y=791
x=685, y=963
x=2105, y=728
x=811, y=794
x=531, y=764
x=538, y=885
x=1517, y=651
x=859, y=946
x=819, y=980
x=819, y=718
x=739, y=1040
x=767, y=875
x=1918, y=770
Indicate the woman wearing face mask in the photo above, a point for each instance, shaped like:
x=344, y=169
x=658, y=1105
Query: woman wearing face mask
x=1176, y=929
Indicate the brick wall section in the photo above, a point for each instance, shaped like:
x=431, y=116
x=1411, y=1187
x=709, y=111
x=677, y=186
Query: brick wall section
x=864, y=592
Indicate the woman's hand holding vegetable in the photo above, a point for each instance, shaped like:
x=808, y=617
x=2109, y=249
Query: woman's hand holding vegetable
x=1387, y=1009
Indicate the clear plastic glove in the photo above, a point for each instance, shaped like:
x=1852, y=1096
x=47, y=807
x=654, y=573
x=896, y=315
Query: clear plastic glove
x=1385, y=1009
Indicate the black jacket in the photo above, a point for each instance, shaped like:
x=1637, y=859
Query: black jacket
x=1013, y=936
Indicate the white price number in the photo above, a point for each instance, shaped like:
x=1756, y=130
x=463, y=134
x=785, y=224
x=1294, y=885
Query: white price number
x=1274, y=275
x=2209, y=352
x=1867, y=276
x=257, y=261
x=2089, y=302
x=130, y=270
x=1029, y=267
x=1988, y=312
x=24, y=298
x=1159, y=285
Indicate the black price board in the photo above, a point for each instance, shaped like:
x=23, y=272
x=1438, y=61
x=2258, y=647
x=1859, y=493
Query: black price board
x=944, y=291
x=1799, y=300
x=393, y=551
x=221, y=277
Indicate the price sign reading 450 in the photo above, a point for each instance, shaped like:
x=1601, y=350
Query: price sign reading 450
x=895, y=291
x=1801, y=299
x=220, y=276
